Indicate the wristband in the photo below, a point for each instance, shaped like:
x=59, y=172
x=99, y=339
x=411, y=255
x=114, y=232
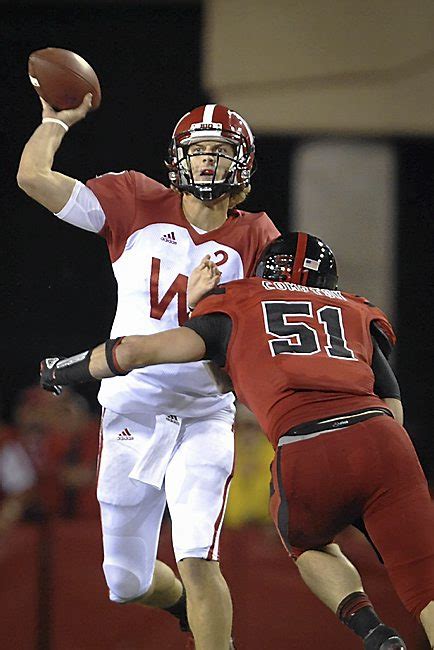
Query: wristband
x=110, y=356
x=73, y=370
x=54, y=120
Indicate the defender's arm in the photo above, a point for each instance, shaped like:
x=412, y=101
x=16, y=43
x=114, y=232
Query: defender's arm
x=119, y=356
x=178, y=345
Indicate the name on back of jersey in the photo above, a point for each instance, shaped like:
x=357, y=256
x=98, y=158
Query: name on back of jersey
x=289, y=286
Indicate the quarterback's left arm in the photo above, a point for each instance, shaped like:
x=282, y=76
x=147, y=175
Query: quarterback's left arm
x=120, y=356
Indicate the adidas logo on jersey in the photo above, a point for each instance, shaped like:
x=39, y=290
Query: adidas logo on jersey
x=125, y=435
x=170, y=238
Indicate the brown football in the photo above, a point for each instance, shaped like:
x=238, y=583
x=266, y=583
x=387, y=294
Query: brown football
x=63, y=78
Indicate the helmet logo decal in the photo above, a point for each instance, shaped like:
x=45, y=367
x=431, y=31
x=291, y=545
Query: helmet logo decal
x=311, y=264
x=204, y=126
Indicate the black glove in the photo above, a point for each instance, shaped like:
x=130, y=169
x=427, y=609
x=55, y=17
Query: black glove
x=47, y=372
x=62, y=371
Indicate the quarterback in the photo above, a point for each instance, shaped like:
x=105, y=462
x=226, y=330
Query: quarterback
x=166, y=432
x=311, y=363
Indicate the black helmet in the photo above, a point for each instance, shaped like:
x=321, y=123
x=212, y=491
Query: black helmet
x=299, y=258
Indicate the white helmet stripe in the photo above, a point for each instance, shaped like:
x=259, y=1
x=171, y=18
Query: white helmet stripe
x=208, y=113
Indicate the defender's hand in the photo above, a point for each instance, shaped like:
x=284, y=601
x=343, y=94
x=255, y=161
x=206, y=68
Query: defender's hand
x=203, y=278
x=48, y=375
x=71, y=115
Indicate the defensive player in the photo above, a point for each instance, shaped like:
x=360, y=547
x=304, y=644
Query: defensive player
x=310, y=362
x=167, y=432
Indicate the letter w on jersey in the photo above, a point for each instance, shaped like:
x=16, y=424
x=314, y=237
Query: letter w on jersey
x=177, y=288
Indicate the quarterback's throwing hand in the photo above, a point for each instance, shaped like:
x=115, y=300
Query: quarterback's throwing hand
x=48, y=375
x=70, y=115
x=203, y=278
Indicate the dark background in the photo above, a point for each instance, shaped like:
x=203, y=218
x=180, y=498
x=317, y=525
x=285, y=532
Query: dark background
x=57, y=293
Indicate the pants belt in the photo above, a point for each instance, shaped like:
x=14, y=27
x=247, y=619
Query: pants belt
x=312, y=429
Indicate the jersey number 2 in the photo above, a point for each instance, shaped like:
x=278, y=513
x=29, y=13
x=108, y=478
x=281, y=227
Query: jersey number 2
x=294, y=337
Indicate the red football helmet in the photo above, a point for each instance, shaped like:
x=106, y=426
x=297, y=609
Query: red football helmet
x=211, y=122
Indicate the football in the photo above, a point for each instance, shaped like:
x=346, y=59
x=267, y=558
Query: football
x=63, y=78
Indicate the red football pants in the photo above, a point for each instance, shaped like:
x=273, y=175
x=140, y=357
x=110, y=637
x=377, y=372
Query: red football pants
x=368, y=470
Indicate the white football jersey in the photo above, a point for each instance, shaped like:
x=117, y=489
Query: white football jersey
x=153, y=249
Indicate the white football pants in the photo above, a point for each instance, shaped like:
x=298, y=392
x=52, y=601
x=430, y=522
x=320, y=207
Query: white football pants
x=195, y=487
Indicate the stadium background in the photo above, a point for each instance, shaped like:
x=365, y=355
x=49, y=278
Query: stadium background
x=340, y=99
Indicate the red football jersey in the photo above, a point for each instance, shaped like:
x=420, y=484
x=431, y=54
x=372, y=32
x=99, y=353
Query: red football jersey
x=298, y=353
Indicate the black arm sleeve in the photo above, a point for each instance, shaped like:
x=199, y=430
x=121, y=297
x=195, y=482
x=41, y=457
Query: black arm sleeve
x=215, y=330
x=381, y=338
x=386, y=384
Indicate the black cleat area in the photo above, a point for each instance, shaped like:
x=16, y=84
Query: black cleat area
x=383, y=638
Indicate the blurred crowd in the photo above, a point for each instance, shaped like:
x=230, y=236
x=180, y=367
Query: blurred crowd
x=48, y=463
x=48, y=457
x=249, y=493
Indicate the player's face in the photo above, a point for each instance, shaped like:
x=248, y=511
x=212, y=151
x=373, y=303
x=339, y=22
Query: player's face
x=210, y=160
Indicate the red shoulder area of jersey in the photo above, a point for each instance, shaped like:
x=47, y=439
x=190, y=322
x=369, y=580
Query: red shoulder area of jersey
x=131, y=201
x=376, y=314
x=249, y=233
x=227, y=297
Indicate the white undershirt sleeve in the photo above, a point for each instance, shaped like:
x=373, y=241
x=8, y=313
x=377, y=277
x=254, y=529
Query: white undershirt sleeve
x=83, y=209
